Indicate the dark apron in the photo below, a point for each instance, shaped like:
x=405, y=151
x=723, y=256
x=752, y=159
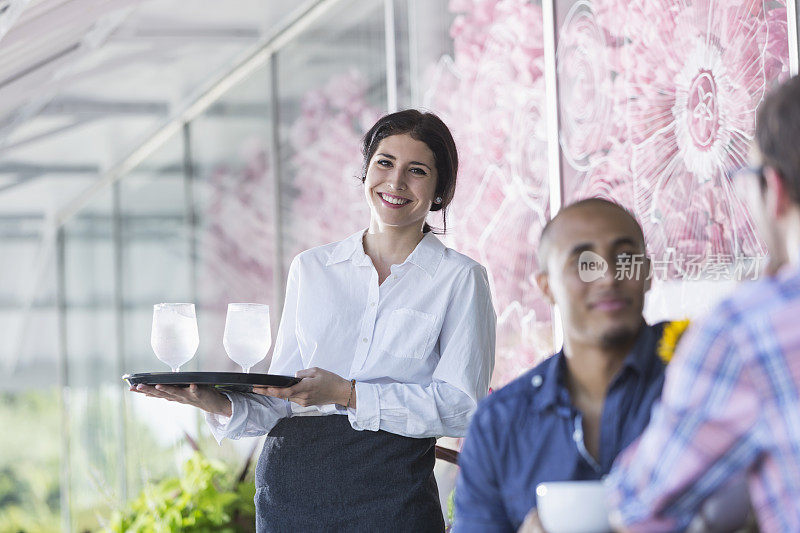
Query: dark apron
x=316, y=473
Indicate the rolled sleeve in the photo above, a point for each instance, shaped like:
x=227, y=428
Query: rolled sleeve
x=251, y=415
x=223, y=427
x=367, y=414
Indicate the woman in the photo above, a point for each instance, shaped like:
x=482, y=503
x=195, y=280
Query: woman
x=390, y=330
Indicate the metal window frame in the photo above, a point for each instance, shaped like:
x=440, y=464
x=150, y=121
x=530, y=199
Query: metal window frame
x=794, y=47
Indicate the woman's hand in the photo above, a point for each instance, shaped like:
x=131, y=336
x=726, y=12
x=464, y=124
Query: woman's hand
x=206, y=398
x=318, y=387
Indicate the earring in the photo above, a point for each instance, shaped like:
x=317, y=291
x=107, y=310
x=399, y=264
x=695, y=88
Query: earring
x=437, y=200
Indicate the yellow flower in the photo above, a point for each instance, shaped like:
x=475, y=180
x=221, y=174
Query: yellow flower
x=673, y=331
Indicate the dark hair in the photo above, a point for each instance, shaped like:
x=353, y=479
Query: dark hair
x=430, y=129
x=778, y=134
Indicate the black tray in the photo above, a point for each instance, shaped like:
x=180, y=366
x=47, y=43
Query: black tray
x=233, y=381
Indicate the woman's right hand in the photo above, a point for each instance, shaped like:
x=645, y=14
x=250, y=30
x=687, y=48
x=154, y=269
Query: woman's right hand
x=206, y=398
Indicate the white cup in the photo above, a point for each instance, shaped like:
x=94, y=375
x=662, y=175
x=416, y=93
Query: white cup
x=572, y=507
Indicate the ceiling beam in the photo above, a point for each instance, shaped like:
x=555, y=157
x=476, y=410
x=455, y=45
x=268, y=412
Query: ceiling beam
x=41, y=63
x=105, y=108
x=187, y=33
x=10, y=11
x=108, y=16
x=45, y=134
x=13, y=167
x=86, y=109
x=22, y=218
x=38, y=169
x=19, y=180
x=97, y=107
x=197, y=104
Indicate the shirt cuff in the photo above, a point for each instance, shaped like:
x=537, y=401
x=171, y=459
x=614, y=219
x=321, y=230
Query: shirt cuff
x=228, y=426
x=367, y=414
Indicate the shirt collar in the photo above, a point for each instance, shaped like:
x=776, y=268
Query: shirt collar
x=550, y=377
x=348, y=248
x=427, y=255
x=548, y=380
x=642, y=355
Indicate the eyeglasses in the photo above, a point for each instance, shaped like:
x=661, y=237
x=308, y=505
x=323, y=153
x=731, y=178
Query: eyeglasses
x=738, y=174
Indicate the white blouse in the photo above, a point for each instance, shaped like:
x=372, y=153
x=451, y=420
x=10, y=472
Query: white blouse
x=420, y=345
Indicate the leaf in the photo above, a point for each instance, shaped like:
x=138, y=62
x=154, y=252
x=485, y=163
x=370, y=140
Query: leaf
x=197, y=501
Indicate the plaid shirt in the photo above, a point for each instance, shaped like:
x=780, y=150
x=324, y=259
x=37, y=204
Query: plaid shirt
x=730, y=405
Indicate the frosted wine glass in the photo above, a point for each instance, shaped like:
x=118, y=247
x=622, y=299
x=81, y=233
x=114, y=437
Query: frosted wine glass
x=247, y=336
x=174, y=336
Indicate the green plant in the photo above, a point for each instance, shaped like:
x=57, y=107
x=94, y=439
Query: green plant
x=451, y=507
x=29, y=462
x=207, y=497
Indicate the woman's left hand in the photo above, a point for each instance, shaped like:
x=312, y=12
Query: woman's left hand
x=318, y=387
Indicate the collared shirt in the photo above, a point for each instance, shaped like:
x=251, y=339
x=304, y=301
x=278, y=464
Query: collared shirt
x=731, y=405
x=529, y=432
x=420, y=345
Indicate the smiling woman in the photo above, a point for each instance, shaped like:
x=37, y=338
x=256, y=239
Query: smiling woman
x=400, y=188
x=388, y=328
x=430, y=166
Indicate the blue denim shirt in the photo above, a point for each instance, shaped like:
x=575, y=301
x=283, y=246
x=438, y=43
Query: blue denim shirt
x=529, y=432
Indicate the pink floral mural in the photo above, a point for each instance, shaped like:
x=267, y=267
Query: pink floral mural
x=693, y=89
x=238, y=241
x=328, y=201
x=686, y=80
x=589, y=91
x=491, y=95
x=657, y=100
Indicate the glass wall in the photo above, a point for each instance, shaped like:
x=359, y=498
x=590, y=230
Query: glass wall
x=272, y=167
x=323, y=112
x=153, y=266
x=233, y=183
x=491, y=93
x=33, y=405
x=93, y=398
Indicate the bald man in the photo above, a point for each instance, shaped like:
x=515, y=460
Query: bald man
x=569, y=417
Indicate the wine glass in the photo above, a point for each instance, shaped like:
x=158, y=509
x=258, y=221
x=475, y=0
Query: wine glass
x=174, y=336
x=247, y=336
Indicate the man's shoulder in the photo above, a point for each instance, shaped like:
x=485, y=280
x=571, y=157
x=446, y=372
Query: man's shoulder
x=751, y=312
x=765, y=296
